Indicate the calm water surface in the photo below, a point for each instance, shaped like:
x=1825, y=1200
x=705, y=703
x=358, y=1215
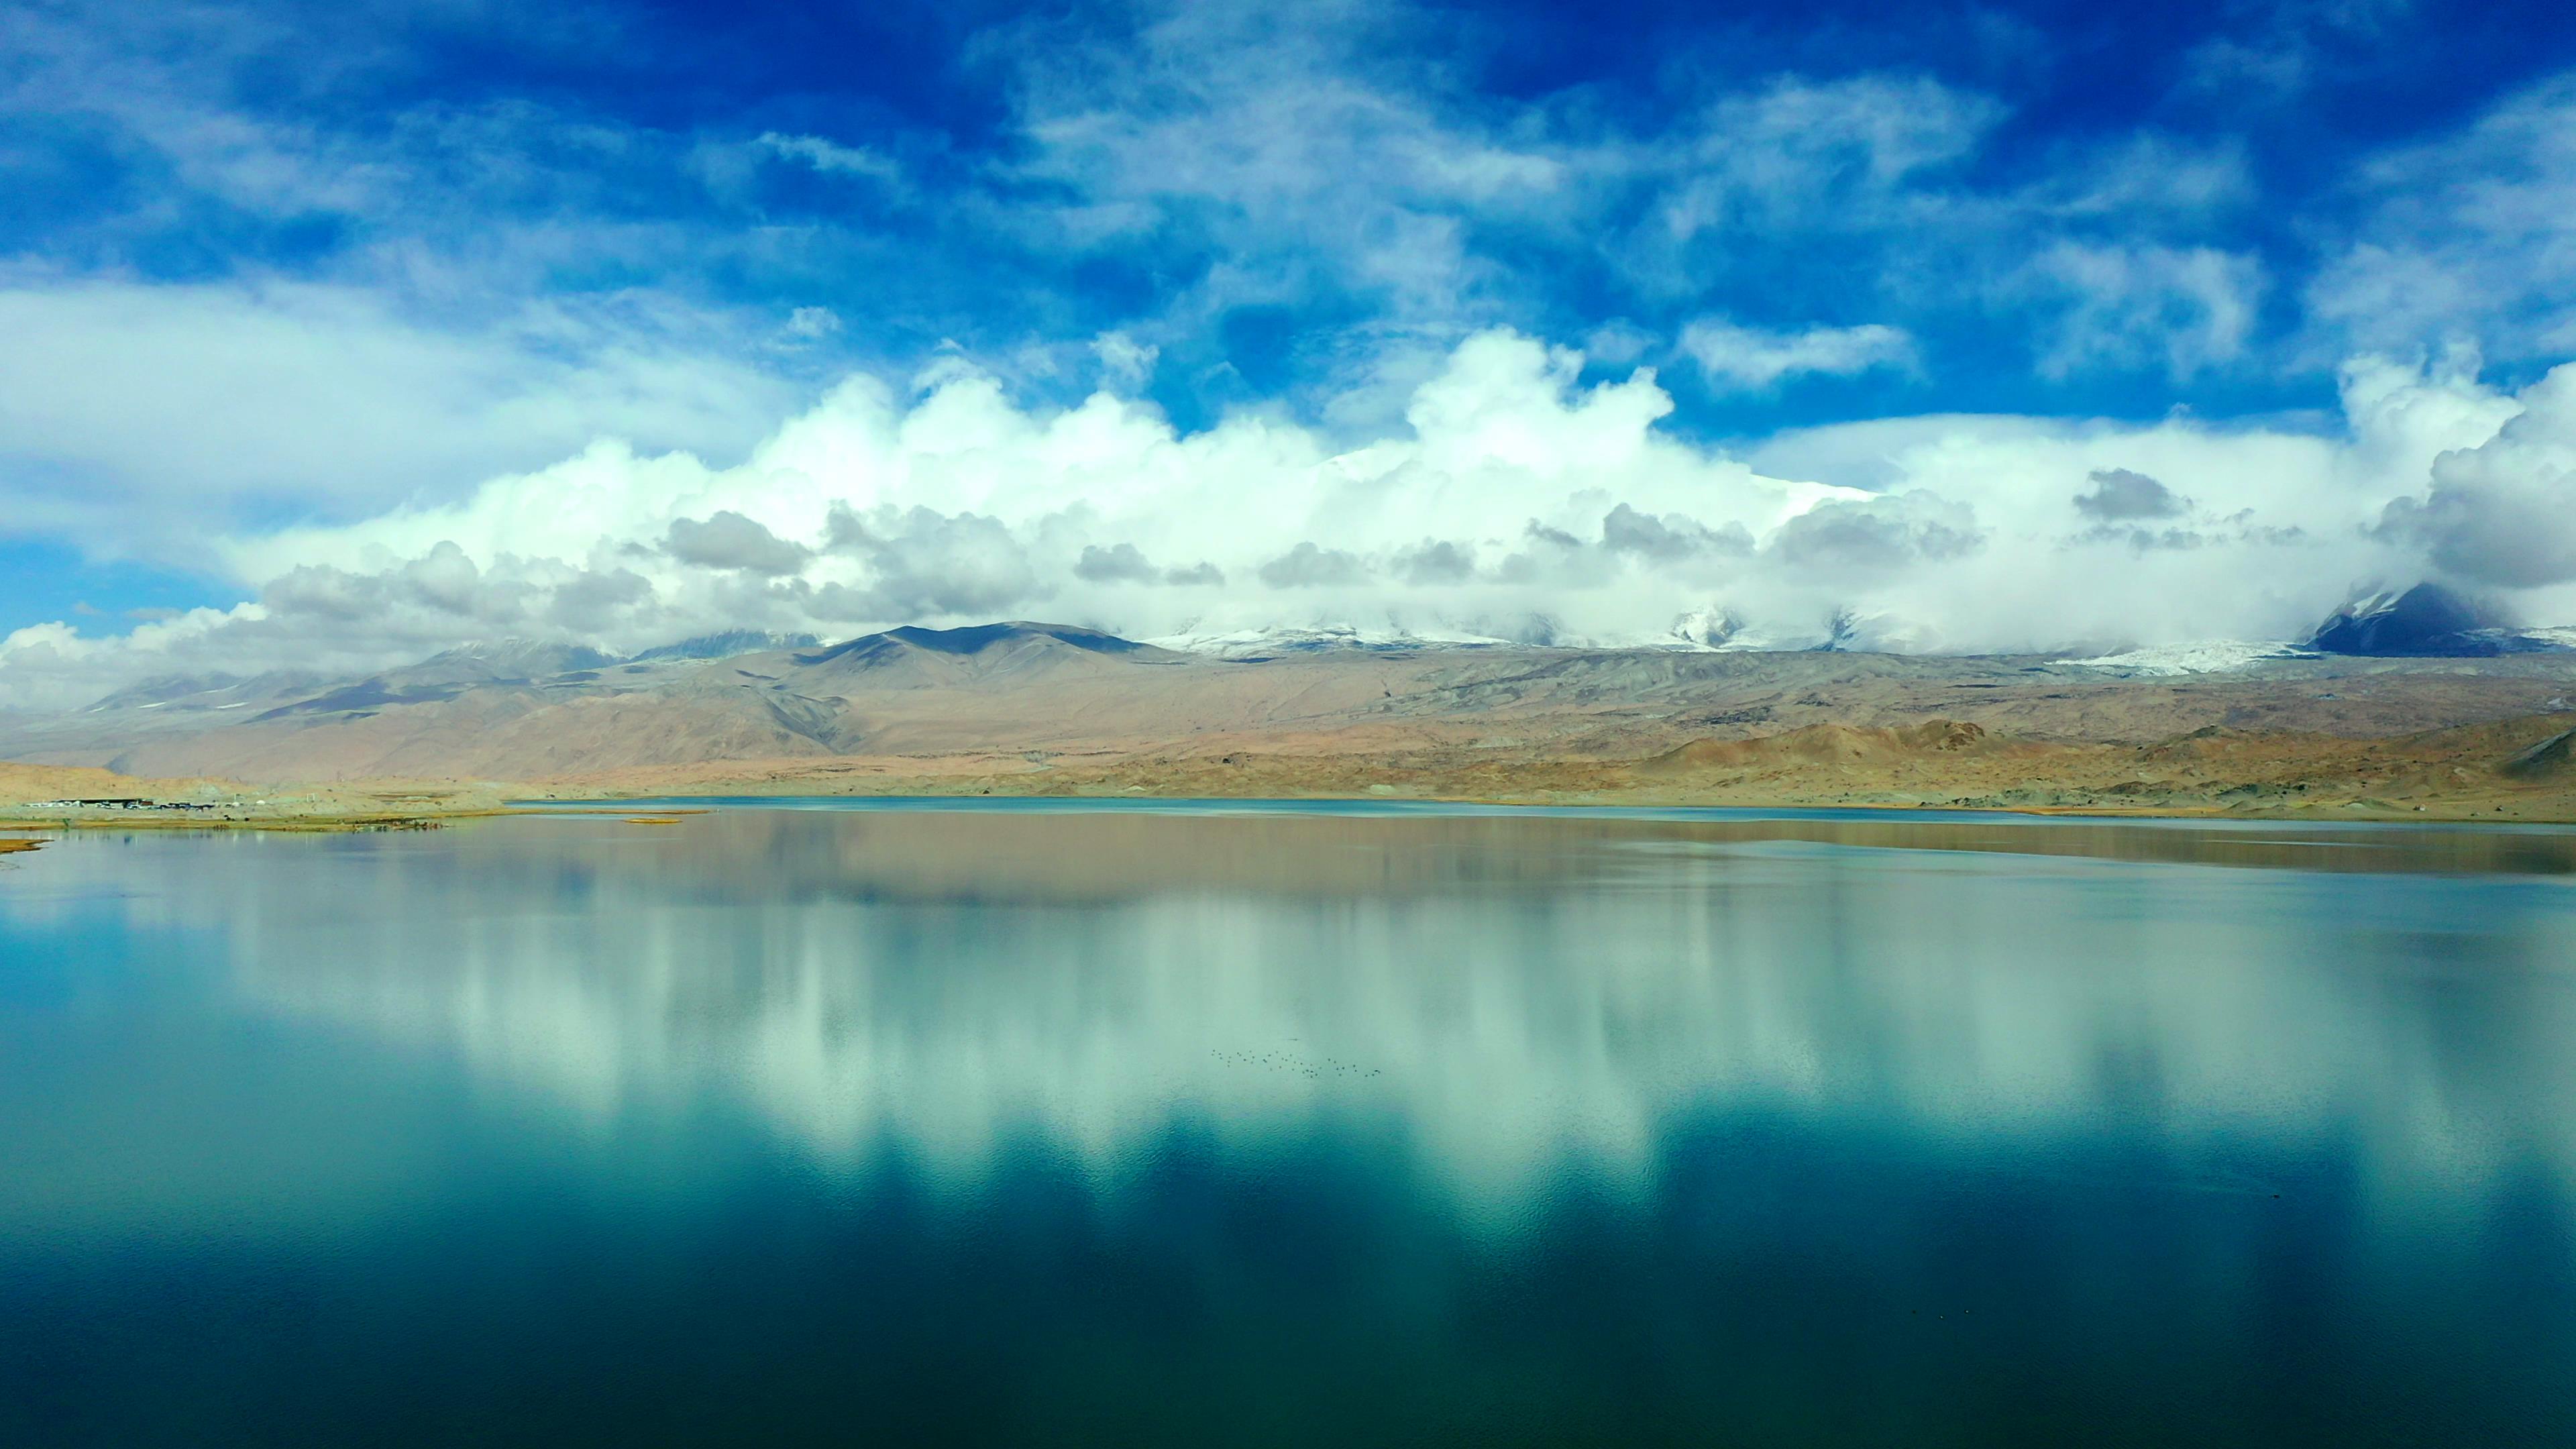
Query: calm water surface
x=1291, y=1127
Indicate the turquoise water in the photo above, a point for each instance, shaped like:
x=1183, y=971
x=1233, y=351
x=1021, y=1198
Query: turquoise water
x=1402, y=1125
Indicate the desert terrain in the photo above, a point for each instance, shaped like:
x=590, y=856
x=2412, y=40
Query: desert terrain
x=1031, y=709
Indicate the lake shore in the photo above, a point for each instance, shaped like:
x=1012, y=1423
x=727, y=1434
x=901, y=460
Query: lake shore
x=60, y=798
x=19, y=822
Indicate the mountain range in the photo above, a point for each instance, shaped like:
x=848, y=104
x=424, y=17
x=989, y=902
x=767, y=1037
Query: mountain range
x=1050, y=694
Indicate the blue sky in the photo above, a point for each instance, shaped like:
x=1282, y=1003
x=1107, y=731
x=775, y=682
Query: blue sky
x=279, y=266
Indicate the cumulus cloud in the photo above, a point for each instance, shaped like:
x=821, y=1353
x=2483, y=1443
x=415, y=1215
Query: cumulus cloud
x=1435, y=562
x=1731, y=357
x=444, y=578
x=1670, y=539
x=1124, y=563
x=2503, y=513
x=923, y=563
x=1518, y=501
x=1877, y=535
x=2118, y=495
x=1115, y=564
x=727, y=540
x=1309, y=567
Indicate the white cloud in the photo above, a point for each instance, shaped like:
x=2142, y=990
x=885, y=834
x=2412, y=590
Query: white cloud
x=1124, y=362
x=833, y=158
x=2503, y=514
x=727, y=540
x=1515, y=502
x=2123, y=495
x=2473, y=235
x=1732, y=356
x=1756, y=172
x=2143, y=178
x=2184, y=310
x=1800, y=154
x=1302, y=157
x=135, y=415
x=812, y=324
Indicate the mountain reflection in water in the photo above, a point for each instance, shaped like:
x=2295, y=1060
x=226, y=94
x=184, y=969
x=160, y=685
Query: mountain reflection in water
x=2213, y=1124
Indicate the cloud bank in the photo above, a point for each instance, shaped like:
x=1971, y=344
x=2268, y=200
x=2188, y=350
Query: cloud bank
x=1516, y=502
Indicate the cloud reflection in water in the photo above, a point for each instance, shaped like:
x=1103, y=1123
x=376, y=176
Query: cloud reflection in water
x=1513, y=997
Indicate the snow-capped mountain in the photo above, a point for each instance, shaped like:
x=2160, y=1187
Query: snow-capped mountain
x=2426, y=621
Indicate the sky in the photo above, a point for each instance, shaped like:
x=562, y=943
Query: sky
x=331, y=336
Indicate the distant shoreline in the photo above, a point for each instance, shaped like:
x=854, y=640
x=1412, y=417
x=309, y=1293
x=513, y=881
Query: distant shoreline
x=2322, y=811
x=670, y=807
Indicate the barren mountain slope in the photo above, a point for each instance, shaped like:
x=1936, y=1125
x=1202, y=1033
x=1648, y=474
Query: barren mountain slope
x=2443, y=774
x=1011, y=700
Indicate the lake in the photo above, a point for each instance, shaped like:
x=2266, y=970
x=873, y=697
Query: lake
x=1290, y=1126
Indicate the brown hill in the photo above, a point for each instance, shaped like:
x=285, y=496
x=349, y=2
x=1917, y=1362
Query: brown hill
x=2552, y=758
x=1827, y=744
x=20, y=784
x=988, y=654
